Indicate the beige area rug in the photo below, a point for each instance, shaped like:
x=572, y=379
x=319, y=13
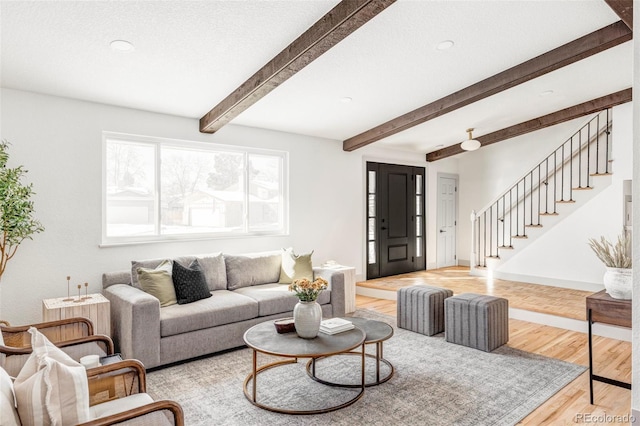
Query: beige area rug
x=435, y=383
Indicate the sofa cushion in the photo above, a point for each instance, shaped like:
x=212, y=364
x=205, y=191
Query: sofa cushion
x=130, y=402
x=295, y=266
x=158, y=282
x=223, y=307
x=189, y=283
x=148, y=264
x=276, y=298
x=51, y=388
x=252, y=269
x=215, y=271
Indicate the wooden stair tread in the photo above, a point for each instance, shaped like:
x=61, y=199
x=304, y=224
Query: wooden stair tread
x=521, y=237
x=505, y=247
x=565, y=201
x=533, y=226
x=549, y=214
x=600, y=174
x=582, y=188
x=492, y=257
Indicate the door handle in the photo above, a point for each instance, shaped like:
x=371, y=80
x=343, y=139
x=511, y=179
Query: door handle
x=383, y=228
x=441, y=231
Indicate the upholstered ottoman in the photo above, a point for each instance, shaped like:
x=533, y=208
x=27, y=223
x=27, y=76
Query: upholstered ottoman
x=421, y=308
x=477, y=321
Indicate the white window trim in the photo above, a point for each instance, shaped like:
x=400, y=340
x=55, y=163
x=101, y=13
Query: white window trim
x=159, y=238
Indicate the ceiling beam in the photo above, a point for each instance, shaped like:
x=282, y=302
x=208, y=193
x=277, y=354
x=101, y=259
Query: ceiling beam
x=548, y=120
x=624, y=10
x=337, y=24
x=595, y=42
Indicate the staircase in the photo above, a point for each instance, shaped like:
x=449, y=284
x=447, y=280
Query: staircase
x=554, y=181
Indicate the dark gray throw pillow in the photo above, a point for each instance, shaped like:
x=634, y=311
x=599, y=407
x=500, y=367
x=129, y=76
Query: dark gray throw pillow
x=190, y=283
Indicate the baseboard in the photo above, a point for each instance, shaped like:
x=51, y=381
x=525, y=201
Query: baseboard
x=554, y=282
x=464, y=262
x=376, y=293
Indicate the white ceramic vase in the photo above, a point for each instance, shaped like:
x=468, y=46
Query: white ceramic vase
x=618, y=282
x=307, y=317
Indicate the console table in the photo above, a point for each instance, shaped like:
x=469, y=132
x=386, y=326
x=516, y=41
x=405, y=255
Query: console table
x=605, y=309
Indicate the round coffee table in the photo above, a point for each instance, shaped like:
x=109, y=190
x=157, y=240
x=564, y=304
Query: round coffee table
x=376, y=333
x=263, y=338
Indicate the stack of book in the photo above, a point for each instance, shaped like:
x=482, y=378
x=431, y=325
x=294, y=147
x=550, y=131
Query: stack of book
x=335, y=325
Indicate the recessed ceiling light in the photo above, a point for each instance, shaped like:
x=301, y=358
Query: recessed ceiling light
x=546, y=93
x=439, y=146
x=121, y=45
x=445, y=44
x=346, y=100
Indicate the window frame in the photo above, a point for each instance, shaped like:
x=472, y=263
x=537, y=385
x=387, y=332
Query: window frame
x=158, y=143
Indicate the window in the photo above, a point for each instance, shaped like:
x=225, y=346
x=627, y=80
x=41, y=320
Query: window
x=159, y=189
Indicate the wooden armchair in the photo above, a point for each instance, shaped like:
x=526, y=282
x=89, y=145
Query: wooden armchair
x=126, y=401
x=111, y=385
x=73, y=335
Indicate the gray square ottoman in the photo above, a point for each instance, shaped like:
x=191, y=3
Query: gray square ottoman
x=421, y=308
x=477, y=321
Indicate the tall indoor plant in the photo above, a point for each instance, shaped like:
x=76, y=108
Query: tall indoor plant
x=16, y=209
x=617, y=258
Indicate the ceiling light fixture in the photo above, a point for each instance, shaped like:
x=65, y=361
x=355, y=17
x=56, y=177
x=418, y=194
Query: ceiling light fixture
x=546, y=93
x=346, y=100
x=445, y=44
x=470, y=144
x=121, y=45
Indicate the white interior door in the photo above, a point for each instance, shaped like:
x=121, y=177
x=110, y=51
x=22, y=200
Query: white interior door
x=447, y=212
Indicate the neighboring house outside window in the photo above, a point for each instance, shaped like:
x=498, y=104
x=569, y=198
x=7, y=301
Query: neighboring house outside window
x=160, y=189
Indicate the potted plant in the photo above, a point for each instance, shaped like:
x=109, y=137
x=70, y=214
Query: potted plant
x=16, y=209
x=617, y=258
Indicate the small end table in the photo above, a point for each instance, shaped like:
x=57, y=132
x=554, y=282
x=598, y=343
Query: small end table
x=96, y=307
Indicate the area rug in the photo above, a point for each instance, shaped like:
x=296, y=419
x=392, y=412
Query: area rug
x=435, y=383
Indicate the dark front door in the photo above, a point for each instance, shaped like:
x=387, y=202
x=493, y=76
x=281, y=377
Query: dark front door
x=395, y=219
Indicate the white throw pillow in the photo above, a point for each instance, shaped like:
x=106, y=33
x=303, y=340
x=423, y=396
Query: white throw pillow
x=8, y=413
x=51, y=388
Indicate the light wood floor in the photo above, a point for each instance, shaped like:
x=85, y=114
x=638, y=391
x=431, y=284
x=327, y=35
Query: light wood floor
x=612, y=357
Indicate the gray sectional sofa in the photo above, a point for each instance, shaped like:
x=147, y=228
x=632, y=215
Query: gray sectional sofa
x=245, y=292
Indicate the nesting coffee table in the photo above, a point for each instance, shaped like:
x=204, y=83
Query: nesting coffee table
x=263, y=338
x=376, y=332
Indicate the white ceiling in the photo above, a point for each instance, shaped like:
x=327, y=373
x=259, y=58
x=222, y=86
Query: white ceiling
x=189, y=55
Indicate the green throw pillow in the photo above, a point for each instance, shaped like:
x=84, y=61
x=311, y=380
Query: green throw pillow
x=158, y=283
x=295, y=267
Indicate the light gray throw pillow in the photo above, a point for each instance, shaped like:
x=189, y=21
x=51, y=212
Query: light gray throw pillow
x=215, y=271
x=252, y=269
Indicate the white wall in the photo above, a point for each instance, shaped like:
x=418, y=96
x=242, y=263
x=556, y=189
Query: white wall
x=560, y=256
x=635, y=368
x=60, y=142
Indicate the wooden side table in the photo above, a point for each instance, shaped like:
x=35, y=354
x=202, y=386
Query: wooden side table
x=96, y=308
x=605, y=309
